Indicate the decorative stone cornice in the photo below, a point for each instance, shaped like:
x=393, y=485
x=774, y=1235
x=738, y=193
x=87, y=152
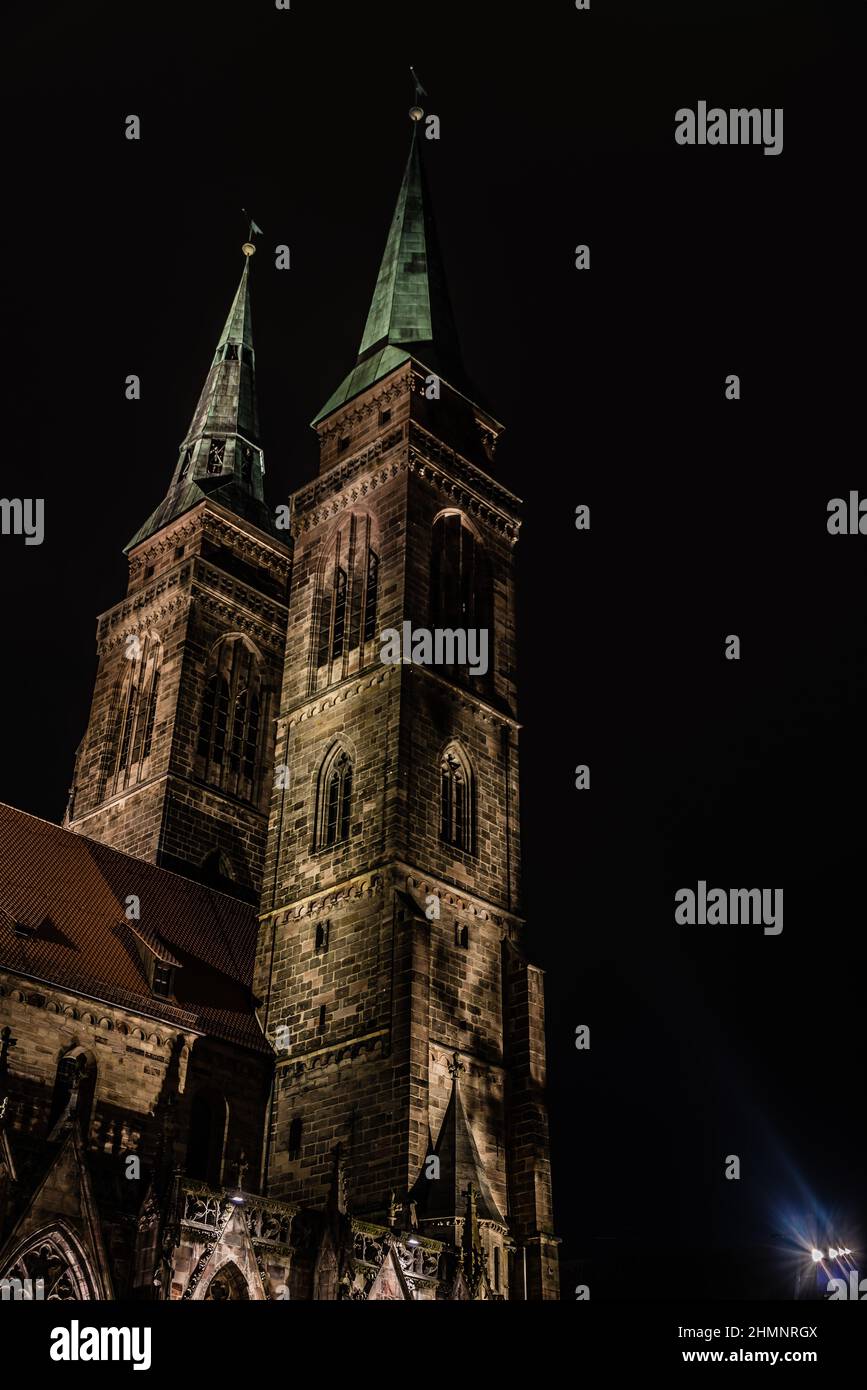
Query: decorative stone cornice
x=411, y=880
x=367, y=885
x=366, y=405
x=348, y=689
x=419, y=884
x=101, y=1015
x=269, y=557
x=137, y=614
x=366, y=1046
x=166, y=539
x=311, y=705
x=488, y=714
x=461, y=496
x=319, y=500
x=481, y=484
x=215, y=527
x=269, y=624
x=456, y=479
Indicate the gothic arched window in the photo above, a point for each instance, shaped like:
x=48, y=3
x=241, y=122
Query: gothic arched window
x=131, y=744
x=456, y=800
x=55, y=1257
x=228, y=1285
x=215, y=720
x=231, y=722
x=151, y=713
x=371, y=594
x=460, y=586
x=334, y=799
x=245, y=734
x=346, y=602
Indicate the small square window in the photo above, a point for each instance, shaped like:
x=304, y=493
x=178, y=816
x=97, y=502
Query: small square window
x=149, y=571
x=294, y=1144
x=343, y=444
x=385, y=417
x=179, y=551
x=162, y=982
x=321, y=943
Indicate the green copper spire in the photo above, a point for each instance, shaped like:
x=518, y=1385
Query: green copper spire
x=410, y=314
x=220, y=456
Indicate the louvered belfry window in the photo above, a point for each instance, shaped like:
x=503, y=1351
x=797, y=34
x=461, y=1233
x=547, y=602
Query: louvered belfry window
x=228, y=745
x=346, y=603
x=456, y=600
x=130, y=743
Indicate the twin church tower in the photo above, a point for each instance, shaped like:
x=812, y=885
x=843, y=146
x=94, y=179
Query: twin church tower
x=245, y=732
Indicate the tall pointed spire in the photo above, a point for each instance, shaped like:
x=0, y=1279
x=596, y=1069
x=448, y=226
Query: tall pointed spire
x=228, y=400
x=460, y=1166
x=220, y=456
x=410, y=313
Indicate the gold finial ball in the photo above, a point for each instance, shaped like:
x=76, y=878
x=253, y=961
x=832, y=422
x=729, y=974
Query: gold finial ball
x=416, y=113
x=248, y=248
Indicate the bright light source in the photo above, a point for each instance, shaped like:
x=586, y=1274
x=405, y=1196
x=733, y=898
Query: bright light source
x=832, y=1253
x=816, y=1256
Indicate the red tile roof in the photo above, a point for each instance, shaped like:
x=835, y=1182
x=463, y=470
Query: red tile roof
x=68, y=897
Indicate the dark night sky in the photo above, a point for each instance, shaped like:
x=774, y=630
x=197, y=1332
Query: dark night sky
x=708, y=517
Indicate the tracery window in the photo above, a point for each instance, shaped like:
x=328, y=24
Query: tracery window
x=456, y=800
x=460, y=582
x=131, y=741
x=231, y=722
x=62, y=1268
x=334, y=799
x=346, y=602
x=228, y=1285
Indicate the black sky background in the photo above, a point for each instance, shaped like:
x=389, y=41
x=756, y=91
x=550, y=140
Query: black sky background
x=708, y=517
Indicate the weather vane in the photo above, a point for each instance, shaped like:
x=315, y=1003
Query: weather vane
x=415, y=111
x=248, y=248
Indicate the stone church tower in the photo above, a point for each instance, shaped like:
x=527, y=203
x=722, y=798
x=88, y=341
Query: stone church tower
x=175, y=765
x=407, y=1021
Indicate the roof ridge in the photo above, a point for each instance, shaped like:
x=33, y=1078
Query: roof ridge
x=122, y=853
